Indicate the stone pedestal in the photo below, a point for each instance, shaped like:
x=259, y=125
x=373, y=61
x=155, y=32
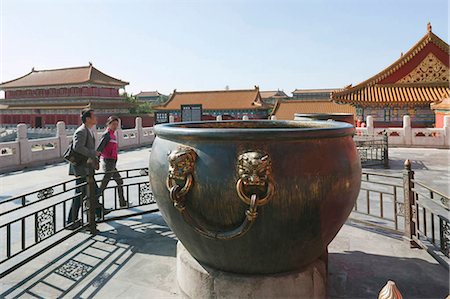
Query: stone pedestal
x=199, y=281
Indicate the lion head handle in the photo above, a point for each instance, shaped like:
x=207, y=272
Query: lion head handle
x=181, y=163
x=254, y=168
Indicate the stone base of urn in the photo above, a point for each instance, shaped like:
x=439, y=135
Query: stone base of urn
x=199, y=281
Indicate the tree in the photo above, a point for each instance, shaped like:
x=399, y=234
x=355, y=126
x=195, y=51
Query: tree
x=137, y=106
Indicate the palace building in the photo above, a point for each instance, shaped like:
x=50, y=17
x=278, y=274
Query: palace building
x=286, y=109
x=441, y=110
x=207, y=105
x=270, y=97
x=41, y=98
x=152, y=97
x=420, y=77
x=320, y=94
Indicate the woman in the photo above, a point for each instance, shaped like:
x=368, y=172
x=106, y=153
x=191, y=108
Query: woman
x=109, y=149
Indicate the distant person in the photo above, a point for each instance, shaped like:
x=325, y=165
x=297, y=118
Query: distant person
x=109, y=150
x=83, y=143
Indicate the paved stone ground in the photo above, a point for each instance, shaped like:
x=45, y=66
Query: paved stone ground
x=135, y=258
x=431, y=166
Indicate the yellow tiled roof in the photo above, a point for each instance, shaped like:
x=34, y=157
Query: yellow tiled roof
x=379, y=94
x=285, y=110
x=273, y=94
x=66, y=76
x=216, y=100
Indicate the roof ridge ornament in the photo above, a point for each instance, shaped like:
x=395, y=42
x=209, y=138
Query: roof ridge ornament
x=429, y=27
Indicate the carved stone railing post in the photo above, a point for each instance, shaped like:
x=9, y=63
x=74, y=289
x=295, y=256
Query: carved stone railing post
x=409, y=204
x=119, y=133
x=407, y=131
x=24, y=144
x=62, y=137
x=369, y=123
x=138, y=127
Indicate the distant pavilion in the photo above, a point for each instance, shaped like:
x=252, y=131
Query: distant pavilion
x=41, y=98
x=230, y=104
x=420, y=77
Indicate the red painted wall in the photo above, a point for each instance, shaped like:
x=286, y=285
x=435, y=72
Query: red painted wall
x=128, y=121
x=46, y=119
x=62, y=92
x=440, y=119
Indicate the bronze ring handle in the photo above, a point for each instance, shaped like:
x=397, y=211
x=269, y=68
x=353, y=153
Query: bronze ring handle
x=182, y=163
x=261, y=201
x=170, y=183
x=242, y=229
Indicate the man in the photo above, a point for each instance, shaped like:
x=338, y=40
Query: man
x=109, y=149
x=84, y=144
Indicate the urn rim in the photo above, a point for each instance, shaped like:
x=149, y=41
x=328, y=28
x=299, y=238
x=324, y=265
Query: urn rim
x=254, y=130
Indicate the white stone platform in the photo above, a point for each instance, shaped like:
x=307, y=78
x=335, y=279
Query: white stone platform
x=197, y=281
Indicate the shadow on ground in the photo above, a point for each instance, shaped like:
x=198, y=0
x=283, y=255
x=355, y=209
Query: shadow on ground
x=400, y=165
x=135, y=257
x=355, y=274
x=84, y=270
x=375, y=228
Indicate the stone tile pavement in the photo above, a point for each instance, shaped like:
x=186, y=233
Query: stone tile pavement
x=431, y=166
x=135, y=258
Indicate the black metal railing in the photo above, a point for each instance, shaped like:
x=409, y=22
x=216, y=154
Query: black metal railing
x=407, y=206
x=430, y=217
x=137, y=193
x=380, y=200
x=373, y=149
x=34, y=222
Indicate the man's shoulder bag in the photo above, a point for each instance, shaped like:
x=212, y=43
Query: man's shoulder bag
x=72, y=156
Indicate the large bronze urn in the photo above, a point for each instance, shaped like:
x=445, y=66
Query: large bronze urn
x=255, y=196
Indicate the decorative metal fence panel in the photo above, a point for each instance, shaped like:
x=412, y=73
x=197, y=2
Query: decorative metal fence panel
x=34, y=222
x=430, y=215
x=407, y=206
x=373, y=149
x=380, y=201
x=137, y=192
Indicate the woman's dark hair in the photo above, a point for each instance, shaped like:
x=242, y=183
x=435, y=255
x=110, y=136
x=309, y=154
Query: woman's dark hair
x=85, y=113
x=111, y=119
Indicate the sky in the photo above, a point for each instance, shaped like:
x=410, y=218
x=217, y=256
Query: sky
x=207, y=45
